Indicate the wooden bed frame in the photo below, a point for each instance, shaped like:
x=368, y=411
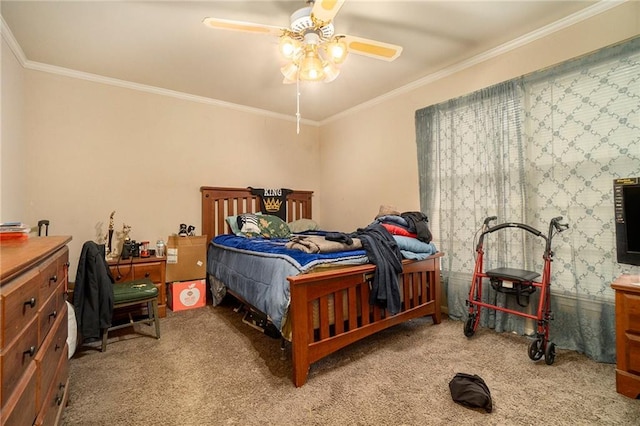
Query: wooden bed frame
x=320, y=291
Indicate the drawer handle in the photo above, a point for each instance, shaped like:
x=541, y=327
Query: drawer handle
x=53, y=314
x=55, y=349
x=58, y=400
x=61, y=386
x=54, y=279
x=31, y=302
x=31, y=351
x=146, y=275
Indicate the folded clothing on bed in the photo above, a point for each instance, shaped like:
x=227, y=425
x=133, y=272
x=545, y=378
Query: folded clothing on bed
x=412, y=248
x=399, y=230
x=320, y=244
x=409, y=224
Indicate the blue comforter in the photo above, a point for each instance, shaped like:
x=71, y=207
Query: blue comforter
x=257, y=269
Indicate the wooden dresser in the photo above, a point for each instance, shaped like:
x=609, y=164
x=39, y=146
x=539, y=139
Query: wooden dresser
x=34, y=374
x=627, y=289
x=137, y=268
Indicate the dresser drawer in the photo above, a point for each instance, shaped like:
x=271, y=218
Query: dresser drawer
x=152, y=271
x=56, y=398
x=21, y=406
x=50, y=311
x=53, y=271
x=16, y=357
x=49, y=355
x=122, y=272
x=631, y=313
x=19, y=302
x=633, y=353
x=48, y=277
x=130, y=272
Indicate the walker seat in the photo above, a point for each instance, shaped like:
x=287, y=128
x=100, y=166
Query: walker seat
x=513, y=281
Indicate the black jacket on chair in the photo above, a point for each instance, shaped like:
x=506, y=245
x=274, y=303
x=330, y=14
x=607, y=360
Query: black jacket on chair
x=93, y=292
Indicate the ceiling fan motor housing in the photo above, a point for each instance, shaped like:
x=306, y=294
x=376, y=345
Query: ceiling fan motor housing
x=302, y=23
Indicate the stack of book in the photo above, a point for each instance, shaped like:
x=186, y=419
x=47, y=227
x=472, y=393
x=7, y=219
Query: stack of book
x=10, y=231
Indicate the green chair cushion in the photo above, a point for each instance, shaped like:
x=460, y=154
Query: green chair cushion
x=131, y=291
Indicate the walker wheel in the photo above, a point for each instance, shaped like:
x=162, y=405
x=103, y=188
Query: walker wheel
x=469, y=330
x=550, y=353
x=535, y=350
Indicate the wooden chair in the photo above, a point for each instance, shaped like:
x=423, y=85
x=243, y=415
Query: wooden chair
x=133, y=293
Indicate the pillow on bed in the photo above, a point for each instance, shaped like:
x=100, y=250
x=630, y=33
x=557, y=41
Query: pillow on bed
x=273, y=227
x=232, y=221
x=263, y=225
x=302, y=225
x=248, y=224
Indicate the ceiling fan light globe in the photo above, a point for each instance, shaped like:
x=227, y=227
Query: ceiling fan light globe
x=289, y=47
x=290, y=71
x=331, y=72
x=337, y=51
x=311, y=69
x=312, y=74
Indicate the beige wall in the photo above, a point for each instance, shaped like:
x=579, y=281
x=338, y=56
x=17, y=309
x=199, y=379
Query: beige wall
x=94, y=148
x=369, y=157
x=12, y=145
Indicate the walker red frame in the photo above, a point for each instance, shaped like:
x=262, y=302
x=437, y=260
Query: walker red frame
x=541, y=345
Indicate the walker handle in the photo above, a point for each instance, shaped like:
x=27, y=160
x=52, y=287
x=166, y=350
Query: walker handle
x=560, y=227
x=489, y=219
x=485, y=229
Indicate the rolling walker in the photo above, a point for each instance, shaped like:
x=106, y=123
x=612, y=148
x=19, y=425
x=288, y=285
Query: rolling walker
x=520, y=283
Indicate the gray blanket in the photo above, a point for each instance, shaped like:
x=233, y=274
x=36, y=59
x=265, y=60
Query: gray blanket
x=319, y=244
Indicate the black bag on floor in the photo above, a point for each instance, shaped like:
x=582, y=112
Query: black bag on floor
x=471, y=391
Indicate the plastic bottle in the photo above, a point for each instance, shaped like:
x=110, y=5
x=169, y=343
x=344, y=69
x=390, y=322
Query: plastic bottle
x=160, y=248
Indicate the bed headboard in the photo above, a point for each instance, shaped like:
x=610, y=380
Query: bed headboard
x=218, y=203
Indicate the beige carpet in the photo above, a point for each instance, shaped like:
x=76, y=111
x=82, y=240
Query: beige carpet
x=211, y=369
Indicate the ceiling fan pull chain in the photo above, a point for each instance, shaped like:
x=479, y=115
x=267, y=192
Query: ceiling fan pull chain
x=297, y=105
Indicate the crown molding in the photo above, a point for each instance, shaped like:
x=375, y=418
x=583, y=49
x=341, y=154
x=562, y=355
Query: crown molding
x=66, y=72
x=37, y=66
x=566, y=22
x=7, y=35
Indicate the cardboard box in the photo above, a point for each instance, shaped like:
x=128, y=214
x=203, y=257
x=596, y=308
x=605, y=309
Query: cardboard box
x=186, y=258
x=186, y=295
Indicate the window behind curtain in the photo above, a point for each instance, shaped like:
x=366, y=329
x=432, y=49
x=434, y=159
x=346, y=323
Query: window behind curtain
x=549, y=144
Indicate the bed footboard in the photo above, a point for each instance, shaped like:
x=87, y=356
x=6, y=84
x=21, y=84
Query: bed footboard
x=349, y=287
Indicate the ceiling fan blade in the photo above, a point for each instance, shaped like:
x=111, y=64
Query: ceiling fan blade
x=226, y=24
x=372, y=48
x=326, y=10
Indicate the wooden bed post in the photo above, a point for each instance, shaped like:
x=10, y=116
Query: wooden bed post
x=299, y=335
x=436, y=285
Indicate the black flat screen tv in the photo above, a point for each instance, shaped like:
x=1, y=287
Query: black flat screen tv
x=626, y=198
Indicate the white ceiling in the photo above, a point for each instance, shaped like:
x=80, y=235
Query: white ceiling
x=163, y=44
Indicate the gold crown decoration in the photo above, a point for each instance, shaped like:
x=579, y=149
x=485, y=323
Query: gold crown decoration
x=272, y=204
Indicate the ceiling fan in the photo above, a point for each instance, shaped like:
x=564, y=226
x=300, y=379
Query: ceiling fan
x=313, y=50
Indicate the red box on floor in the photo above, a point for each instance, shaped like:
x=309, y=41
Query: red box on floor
x=184, y=295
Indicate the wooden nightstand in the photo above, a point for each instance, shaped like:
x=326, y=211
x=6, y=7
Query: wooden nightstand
x=136, y=268
x=628, y=335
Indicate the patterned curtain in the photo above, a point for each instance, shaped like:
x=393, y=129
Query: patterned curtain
x=545, y=145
